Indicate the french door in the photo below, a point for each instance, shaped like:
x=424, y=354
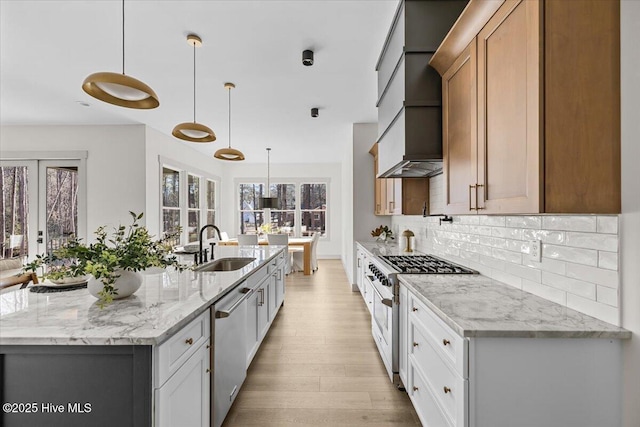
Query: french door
x=43, y=205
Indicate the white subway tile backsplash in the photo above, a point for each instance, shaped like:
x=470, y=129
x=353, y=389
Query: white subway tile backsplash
x=524, y=272
x=547, y=236
x=577, y=255
x=603, y=242
x=607, y=224
x=524, y=221
x=569, y=223
x=507, y=233
x=595, y=275
x=607, y=296
x=572, y=286
x=579, y=265
x=608, y=260
x=544, y=291
x=593, y=308
x=494, y=221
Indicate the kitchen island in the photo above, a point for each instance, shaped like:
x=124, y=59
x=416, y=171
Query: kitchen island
x=66, y=362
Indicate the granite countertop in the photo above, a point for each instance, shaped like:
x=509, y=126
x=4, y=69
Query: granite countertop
x=477, y=306
x=166, y=301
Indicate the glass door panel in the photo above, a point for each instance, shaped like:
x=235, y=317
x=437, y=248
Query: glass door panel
x=15, y=180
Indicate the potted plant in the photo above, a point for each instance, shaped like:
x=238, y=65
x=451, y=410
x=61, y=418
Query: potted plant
x=112, y=261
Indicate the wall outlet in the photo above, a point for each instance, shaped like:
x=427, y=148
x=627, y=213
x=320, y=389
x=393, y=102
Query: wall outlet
x=535, y=250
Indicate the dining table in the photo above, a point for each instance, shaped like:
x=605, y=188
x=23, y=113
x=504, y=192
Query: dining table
x=305, y=242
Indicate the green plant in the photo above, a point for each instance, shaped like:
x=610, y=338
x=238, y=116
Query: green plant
x=129, y=248
x=383, y=232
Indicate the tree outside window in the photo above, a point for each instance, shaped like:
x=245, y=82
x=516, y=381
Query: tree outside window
x=250, y=216
x=170, y=200
x=283, y=219
x=313, y=207
x=211, y=206
x=193, y=207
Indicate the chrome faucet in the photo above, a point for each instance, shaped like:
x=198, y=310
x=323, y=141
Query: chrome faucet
x=201, y=251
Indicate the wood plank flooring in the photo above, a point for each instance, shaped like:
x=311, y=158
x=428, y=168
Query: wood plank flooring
x=319, y=366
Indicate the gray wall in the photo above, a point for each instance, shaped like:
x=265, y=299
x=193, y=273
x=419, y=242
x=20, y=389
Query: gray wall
x=630, y=218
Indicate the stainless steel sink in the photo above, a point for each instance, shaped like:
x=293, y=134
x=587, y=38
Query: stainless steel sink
x=224, y=264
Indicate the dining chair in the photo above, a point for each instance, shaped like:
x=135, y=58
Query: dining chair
x=283, y=240
x=314, y=252
x=247, y=239
x=298, y=257
x=224, y=236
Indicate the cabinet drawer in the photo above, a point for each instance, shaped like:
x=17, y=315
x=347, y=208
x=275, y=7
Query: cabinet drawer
x=172, y=354
x=451, y=346
x=275, y=262
x=424, y=402
x=448, y=388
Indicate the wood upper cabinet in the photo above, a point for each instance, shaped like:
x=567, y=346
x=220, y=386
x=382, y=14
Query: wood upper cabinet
x=531, y=117
x=460, y=143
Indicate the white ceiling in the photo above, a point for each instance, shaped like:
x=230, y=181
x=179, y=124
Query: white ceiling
x=48, y=48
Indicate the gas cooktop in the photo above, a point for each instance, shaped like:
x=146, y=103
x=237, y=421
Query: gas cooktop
x=425, y=264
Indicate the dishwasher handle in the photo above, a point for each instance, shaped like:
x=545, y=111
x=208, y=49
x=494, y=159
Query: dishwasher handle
x=221, y=314
x=385, y=301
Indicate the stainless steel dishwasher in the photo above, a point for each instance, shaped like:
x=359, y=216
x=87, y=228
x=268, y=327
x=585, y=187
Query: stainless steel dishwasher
x=229, y=350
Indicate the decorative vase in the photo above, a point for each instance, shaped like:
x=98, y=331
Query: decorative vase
x=125, y=285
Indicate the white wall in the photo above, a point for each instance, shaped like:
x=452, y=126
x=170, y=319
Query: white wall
x=115, y=164
x=159, y=144
x=327, y=248
x=347, y=209
x=630, y=218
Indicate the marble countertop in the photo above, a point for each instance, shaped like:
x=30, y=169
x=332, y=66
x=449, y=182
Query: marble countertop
x=477, y=306
x=166, y=301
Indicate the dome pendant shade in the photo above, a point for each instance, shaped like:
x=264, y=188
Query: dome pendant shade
x=230, y=154
x=120, y=89
x=193, y=132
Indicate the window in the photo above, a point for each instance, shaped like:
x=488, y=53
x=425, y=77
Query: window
x=170, y=200
x=250, y=217
x=211, y=206
x=193, y=211
x=303, y=207
x=188, y=201
x=283, y=219
x=313, y=207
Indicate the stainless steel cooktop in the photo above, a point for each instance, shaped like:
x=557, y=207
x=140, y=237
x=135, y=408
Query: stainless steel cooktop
x=425, y=264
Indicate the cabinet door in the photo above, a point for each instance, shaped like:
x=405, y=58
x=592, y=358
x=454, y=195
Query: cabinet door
x=381, y=196
x=184, y=399
x=252, y=335
x=394, y=196
x=273, y=300
x=402, y=338
x=460, y=142
x=263, y=308
x=509, y=71
x=280, y=289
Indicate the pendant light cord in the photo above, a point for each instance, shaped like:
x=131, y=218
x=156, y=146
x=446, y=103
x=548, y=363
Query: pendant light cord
x=268, y=170
x=194, y=82
x=122, y=37
x=229, y=117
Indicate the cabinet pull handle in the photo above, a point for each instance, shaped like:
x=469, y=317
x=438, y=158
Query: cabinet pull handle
x=447, y=390
x=446, y=342
x=189, y=341
x=415, y=344
x=391, y=206
x=377, y=207
x=359, y=263
x=478, y=208
x=208, y=370
x=414, y=309
x=415, y=388
x=470, y=188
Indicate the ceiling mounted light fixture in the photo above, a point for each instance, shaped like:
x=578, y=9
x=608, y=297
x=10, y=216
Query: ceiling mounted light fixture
x=193, y=131
x=307, y=57
x=268, y=202
x=120, y=89
x=229, y=153
x=314, y=112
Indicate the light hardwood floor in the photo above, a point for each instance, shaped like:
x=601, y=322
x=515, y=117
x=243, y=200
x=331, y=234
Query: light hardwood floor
x=319, y=366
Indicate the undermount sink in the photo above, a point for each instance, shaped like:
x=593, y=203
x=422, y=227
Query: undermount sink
x=224, y=264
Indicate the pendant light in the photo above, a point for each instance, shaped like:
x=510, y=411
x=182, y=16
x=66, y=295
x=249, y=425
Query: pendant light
x=229, y=153
x=269, y=202
x=120, y=89
x=193, y=131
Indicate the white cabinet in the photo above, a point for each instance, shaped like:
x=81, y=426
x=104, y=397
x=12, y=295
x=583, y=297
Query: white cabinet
x=360, y=266
x=183, y=376
x=501, y=381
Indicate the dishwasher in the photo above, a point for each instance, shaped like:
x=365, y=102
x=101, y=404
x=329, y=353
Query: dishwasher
x=229, y=350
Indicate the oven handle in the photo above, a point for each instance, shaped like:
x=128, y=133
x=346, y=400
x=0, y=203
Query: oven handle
x=385, y=301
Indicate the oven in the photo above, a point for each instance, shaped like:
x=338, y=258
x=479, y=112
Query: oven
x=381, y=274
